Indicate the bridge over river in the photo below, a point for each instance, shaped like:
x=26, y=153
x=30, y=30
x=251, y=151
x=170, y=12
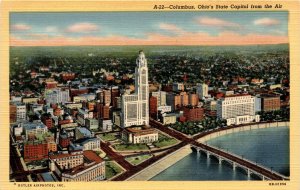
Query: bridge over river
x=236, y=161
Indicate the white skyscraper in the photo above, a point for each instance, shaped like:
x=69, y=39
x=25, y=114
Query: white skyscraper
x=135, y=107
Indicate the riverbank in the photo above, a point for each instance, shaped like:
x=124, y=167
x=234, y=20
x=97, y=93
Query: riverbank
x=161, y=165
x=242, y=128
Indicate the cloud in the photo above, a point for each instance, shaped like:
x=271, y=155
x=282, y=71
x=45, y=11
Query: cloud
x=83, y=27
x=216, y=22
x=266, y=22
x=37, y=36
x=171, y=28
x=276, y=31
x=20, y=27
x=199, y=38
x=51, y=29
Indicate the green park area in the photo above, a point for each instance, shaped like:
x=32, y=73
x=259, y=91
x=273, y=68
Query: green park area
x=130, y=147
x=196, y=127
x=164, y=141
x=112, y=169
x=136, y=160
x=100, y=153
x=108, y=136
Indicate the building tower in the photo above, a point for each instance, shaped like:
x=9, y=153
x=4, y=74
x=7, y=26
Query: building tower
x=135, y=107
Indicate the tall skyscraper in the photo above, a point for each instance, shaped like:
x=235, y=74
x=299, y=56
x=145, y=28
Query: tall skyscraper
x=135, y=107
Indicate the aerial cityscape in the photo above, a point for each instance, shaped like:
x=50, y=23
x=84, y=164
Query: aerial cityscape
x=92, y=102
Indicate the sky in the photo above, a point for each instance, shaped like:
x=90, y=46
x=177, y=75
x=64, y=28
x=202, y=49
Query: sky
x=148, y=28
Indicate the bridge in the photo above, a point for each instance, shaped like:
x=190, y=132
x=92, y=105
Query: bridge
x=236, y=161
x=250, y=167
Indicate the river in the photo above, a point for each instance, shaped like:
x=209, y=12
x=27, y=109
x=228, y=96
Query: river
x=268, y=147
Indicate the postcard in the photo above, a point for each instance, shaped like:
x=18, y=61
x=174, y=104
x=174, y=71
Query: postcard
x=150, y=95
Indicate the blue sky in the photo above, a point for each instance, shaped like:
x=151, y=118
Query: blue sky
x=143, y=25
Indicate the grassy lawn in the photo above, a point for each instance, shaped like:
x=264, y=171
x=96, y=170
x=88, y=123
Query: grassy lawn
x=164, y=141
x=123, y=147
x=108, y=137
x=112, y=169
x=100, y=153
x=138, y=159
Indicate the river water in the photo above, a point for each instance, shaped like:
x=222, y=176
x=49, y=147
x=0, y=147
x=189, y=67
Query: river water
x=268, y=147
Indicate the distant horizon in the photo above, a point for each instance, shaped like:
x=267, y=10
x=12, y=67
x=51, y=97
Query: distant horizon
x=155, y=45
x=149, y=28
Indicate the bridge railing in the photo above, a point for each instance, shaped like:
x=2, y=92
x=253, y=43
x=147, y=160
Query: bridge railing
x=245, y=159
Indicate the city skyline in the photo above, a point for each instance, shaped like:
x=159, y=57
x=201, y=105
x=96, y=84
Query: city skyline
x=148, y=28
x=114, y=126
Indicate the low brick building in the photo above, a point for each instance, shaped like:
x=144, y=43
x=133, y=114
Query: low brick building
x=270, y=102
x=35, y=150
x=193, y=113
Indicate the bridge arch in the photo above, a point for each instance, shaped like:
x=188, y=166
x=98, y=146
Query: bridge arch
x=194, y=149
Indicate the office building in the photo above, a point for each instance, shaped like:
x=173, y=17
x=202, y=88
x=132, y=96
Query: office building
x=270, y=102
x=193, y=99
x=193, y=113
x=33, y=128
x=135, y=107
x=58, y=95
x=21, y=112
x=202, y=90
x=35, y=150
x=161, y=97
x=237, y=109
x=153, y=106
x=92, y=124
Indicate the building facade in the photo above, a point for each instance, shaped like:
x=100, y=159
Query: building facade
x=153, y=106
x=67, y=160
x=193, y=99
x=169, y=119
x=21, y=112
x=135, y=107
x=161, y=97
x=93, y=169
x=193, y=113
x=270, y=102
x=202, y=90
x=92, y=124
x=12, y=113
x=178, y=87
x=58, y=95
x=35, y=150
x=136, y=136
x=87, y=144
x=237, y=109
x=34, y=128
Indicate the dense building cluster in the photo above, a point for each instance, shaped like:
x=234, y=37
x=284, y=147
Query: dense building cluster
x=66, y=121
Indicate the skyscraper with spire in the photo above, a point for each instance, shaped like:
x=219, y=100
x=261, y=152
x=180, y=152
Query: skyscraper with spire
x=135, y=107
